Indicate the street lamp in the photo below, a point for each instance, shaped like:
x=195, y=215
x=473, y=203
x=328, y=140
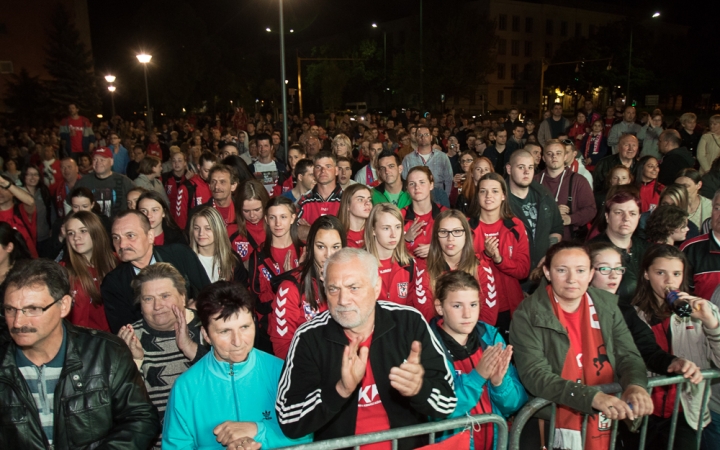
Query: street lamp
x=282, y=77
x=144, y=59
x=627, y=91
x=111, y=88
x=110, y=78
x=375, y=25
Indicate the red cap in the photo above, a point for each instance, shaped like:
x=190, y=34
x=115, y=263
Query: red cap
x=104, y=152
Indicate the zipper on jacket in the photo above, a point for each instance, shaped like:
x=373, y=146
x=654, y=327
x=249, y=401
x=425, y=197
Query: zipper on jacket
x=232, y=383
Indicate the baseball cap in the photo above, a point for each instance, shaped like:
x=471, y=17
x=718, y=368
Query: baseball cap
x=103, y=152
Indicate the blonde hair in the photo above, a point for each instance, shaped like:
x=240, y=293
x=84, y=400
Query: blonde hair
x=400, y=254
x=341, y=138
x=224, y=260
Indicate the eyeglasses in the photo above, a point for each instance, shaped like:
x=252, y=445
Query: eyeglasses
x=423, y=135
x=442, y=234
x=466, y=161
x=30, y=311
x=607, y=270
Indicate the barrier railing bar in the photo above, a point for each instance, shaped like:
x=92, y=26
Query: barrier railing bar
x=613, y=433
x=583, y=433
x=553, y=418
x=698, y=432
x=673, y=422
x=411, y=431
x=536, y=404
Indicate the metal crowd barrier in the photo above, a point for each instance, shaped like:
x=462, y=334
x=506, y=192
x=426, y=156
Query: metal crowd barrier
x=535, y=405
x=416, y=430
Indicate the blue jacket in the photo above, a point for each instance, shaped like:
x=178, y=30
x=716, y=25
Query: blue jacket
x=212, y=392
x=120, y=160
x=506, y=399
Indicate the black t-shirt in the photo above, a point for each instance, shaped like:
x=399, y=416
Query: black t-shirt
x=529, y=207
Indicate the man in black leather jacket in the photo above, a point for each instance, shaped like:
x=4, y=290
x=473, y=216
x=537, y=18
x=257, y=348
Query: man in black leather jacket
x=99, y=398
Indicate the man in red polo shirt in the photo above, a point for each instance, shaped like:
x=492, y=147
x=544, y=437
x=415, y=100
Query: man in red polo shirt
x=223, y=182
x=76, y=133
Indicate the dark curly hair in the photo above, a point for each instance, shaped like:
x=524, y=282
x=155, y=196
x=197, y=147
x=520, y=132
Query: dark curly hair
x=663, y=221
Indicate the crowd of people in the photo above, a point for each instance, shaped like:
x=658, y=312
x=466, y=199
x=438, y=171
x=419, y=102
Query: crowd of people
x=204, y=284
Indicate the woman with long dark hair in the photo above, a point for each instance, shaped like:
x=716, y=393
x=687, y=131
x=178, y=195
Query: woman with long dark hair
x=250, y=207
x=44, y=206
x=161, y=222
x=88, y=259
x=451, y=248
x=699, y=207
x=12, y=249
x=593, y=146
x=301, y=294
x=500, y=239
x=646, y=173
x=355, y=207
x=420, y=215
x=693, y=338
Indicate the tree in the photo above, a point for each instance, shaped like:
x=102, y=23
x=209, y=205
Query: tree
x=27, y=98
x=70, y=65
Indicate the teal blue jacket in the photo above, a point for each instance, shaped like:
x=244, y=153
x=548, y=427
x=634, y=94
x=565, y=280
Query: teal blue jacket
x=212, y=392
x=506, y=399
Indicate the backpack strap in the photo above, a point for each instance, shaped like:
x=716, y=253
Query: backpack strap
x=411, y=269
x=510, y=225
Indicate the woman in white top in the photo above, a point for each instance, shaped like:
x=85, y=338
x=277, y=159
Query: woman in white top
x=709, y=146
x=699, y=207
x=210, y=241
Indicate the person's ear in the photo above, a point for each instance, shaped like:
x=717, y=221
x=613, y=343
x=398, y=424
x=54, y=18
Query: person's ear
x=547, y=273
x=438, y=308
x=65, y=306
x=205, y=335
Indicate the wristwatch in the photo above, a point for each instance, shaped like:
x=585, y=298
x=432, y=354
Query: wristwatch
x=9, y=185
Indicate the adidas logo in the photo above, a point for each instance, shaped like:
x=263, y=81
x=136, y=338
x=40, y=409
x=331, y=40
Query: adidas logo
x=266, y=415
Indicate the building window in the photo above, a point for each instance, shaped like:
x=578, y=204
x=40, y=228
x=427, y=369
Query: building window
x=501, y=71
x=6, y=67
x=515, y=48
x=549, y=27
x=526, y=97
x=513, y=97
x=578, y=29
x=548, y=50
x=502, y=47
x=501, y=98
x=513, y=72
x=528, y=25
x=528, y=49
x=516, y=23
x=502, y=22
x=563, y=29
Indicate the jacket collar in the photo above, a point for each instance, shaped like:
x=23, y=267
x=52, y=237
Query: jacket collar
x=221, y=369
x=384, y=322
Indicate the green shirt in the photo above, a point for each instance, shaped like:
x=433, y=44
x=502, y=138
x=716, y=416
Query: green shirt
x=380, y=195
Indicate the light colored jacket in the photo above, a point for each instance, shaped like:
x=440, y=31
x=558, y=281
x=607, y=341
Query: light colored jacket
x=545, y=133
x=621, y=128
x=151, y=185
x=692, y=341
x=708, y=149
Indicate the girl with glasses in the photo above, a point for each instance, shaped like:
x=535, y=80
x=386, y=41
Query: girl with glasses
x=451, y=248
x=403, y=282
x=607, y=262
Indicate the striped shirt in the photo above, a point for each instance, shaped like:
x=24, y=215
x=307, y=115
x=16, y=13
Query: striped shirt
x=42, y=382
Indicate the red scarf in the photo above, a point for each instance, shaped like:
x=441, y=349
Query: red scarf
x=369, y=179
x=594, y=143
x=586, y=363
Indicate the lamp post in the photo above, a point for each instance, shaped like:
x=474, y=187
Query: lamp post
x=111, y=79
x=144, y=59
x=374, y=25
x=627, y=89
x=283, y=86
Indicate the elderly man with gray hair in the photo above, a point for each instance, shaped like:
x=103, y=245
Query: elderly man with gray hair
x=364, y=365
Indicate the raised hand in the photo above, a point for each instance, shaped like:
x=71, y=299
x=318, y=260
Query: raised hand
x=182, y=337
x=489, y=361
x=492, y=249
x=415, y=230
x=127, y=334
x=702, y=310
x=354, y=363
x=408, y=378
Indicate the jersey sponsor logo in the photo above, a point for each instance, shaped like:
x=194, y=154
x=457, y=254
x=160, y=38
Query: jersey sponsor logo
x=402, y=290
x=368, y=396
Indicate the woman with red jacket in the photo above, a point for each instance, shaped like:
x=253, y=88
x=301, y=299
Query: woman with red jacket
x=403, y=281
x=301, y=295
x=88, y=259
x=420, y=215
x=501, y=240
x=579, y=129
x=646, y=173
x=451, y=248
x=355, y=208
x=252, y=198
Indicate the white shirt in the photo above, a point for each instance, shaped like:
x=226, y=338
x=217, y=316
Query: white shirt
x=207, y=263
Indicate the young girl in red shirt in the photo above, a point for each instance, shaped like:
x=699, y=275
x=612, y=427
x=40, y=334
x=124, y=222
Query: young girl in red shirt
x=355, y=208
